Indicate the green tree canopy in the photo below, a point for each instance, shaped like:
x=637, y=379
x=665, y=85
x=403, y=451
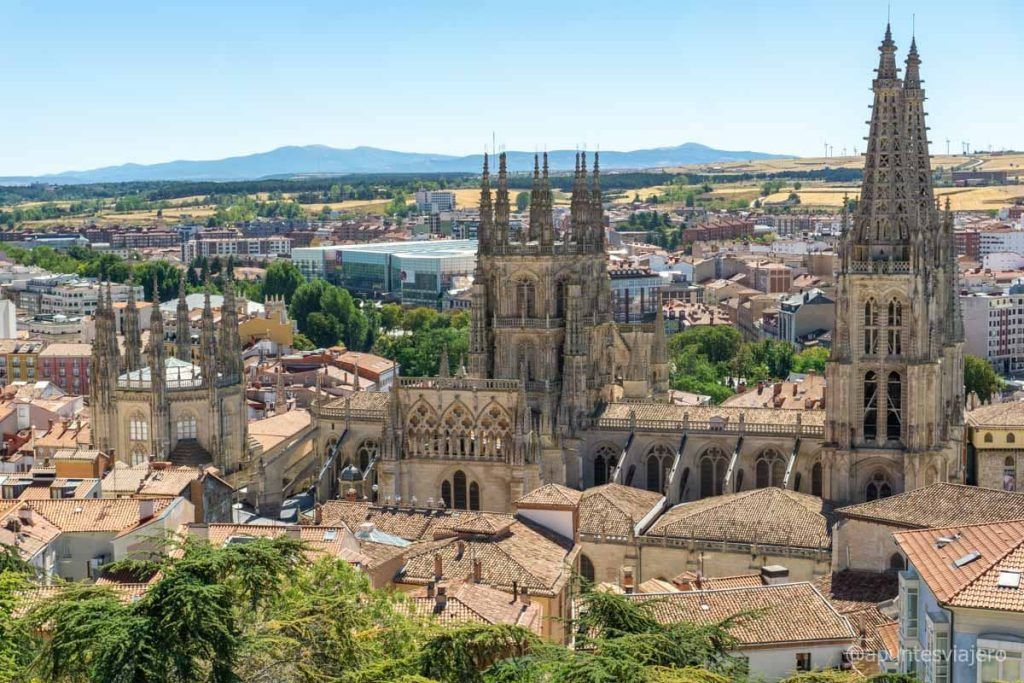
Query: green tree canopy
x=282, y=279
x=980, y=378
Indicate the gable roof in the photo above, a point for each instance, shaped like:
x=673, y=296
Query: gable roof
x=768, y=516
x=614, y=509
x=1008, y=414
x=526, y=556
x=96, y=514
x=473, y=602
x=552, y=494
x=413, y=524
x=1000, y=548
x=784, y=613
x=938, y=505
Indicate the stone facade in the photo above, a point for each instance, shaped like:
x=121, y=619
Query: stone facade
x=580, y=398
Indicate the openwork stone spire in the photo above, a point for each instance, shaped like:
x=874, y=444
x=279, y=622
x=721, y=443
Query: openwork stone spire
x=182, y=329
x=485, y=232
x=501, y=209
x=882, y=229
x=132, y=334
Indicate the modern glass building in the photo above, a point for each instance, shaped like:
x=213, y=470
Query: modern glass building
x=415, y=273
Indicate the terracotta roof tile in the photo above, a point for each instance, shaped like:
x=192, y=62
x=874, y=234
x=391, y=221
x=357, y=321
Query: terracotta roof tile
x=784, y=613
x=1009, y=414
x=1000, y=548
x=466, y=601
x=91, y=514
x=323, y=541
x=273, y=431
x=614, y=509
x=414, y=524
x=552, y=494
x=941, y=504
x=649, y=410
x=769, y=516
x=34, y=533
x=524, y=555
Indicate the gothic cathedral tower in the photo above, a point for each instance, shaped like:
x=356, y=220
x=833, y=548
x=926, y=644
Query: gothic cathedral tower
x=895, y=394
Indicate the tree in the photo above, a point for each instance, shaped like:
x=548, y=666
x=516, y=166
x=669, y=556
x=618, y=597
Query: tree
x=282, y=279
x=323, y=330
x=813, y=358
x=980, y=378
x=522, y=201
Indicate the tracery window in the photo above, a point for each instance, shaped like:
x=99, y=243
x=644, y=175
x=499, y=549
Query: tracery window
x=816, y=479
x=366, y=452
x=895, y=328
x=185, y=427
x=878, y=487
x=138, y=428
x=771, y=469
x=894, y=407
x=659, y=461
x=713, y=465
x=604, y=463
x=870, y=327
x=870, y=406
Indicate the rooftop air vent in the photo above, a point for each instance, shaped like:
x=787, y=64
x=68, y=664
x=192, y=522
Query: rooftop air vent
x=966, y=559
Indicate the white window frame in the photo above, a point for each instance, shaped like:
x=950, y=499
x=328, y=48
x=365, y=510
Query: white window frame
x=938, y=639
x=994, y=645
x=909, y=623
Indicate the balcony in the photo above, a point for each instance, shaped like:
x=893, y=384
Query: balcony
x=514, y=322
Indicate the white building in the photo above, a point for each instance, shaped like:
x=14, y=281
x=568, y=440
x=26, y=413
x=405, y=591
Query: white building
x=994, y=328
x=8, y=320
x=993, y=241
x=435, y=201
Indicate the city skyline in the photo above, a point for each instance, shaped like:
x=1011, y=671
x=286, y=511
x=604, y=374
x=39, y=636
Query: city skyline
x=129, y=84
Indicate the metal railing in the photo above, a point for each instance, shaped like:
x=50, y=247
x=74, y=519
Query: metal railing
x=730, y=427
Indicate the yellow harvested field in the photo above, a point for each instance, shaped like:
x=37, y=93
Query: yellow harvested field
x=960, y=198
x=469, y=198
x=349, y=205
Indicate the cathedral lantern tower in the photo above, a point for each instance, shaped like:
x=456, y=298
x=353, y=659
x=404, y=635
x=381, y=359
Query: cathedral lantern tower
x=895, y=392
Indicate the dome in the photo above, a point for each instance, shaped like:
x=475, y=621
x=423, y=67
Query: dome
x=351, y=473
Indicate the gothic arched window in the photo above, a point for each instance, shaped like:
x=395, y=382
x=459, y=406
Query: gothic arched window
x=659, y=460
x=459, y=486
x=185, y=427
x=713, y=465
x=526, y=298
x=138, y=428
x=870, y=328
x=816, y=479
x=586, y=568
x=366, y=452
x=870, y=406
x=474, y=496
x=771, y=469
x=878, y=487
x=988, y=437
x=446, y=494
x=894, y=407
x=895, y=328
x=1010, y=438
x=604, y=463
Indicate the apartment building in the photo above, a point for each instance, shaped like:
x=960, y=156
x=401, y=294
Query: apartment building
x=241, y=248
x=994, y=328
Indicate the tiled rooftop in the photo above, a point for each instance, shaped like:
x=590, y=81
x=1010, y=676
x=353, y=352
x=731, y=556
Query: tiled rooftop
x=471, y=602
x=552, y=494
x=768, y=516
x=1000, y=550
x=784, y=613
x=941, y=504
x=614, y=510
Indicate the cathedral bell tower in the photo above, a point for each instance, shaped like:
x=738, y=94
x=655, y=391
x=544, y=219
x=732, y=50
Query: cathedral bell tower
x=895, y=392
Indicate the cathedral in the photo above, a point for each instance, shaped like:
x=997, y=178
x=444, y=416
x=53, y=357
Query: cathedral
x=555, y=391
x=165, y=405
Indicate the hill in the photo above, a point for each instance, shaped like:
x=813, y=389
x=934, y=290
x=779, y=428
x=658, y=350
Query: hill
x=322, y=160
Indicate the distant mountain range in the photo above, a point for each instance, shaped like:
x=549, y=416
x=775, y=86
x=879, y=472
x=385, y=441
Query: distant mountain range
x=322, y=160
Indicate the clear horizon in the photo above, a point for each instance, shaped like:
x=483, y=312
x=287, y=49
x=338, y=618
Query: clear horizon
x=125, y=83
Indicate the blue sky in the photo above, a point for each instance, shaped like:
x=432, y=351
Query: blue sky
x=88, y=84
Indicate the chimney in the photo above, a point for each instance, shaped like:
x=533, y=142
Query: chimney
x=627, y=579
x=760, y=387
x=777, y=388
x=441, y=599
x=774, y=575
x=350, y=495
x=438, y=566
x=318, y=514
x=294, y=531
x=147, y=507
x=26, y=515
x=795, y=387
x=460, y=547
x=515, y=590
x=430, y=589
x=478, y=570
x=524, y=595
